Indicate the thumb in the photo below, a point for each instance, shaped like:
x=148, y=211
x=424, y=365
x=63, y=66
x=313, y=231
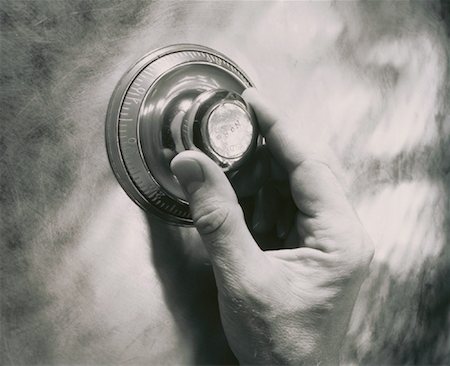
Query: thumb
x=216, y=213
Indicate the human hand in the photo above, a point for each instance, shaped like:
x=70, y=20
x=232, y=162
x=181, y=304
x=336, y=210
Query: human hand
x=287, y=306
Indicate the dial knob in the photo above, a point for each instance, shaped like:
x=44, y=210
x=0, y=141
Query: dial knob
x=221, y=124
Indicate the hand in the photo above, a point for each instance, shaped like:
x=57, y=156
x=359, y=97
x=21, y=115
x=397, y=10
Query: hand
x=286, y=306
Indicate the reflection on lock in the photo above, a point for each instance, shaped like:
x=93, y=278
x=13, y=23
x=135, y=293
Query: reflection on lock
x=182, y=97
x=221, y=124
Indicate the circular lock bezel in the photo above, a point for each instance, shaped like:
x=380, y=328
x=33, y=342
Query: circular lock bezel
x=124, y=116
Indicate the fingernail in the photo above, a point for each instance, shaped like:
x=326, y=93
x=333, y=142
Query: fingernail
x=189, y=173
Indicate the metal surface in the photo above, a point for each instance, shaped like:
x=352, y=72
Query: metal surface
x=221, y=124
x=83, y=283
x=230, y=141
x=182, y=97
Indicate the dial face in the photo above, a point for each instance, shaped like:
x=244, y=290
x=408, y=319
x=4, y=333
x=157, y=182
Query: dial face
x=138, y=141
x=230, y=130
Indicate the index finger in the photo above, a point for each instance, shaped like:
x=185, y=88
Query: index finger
x=315, y=188
x=289, y=146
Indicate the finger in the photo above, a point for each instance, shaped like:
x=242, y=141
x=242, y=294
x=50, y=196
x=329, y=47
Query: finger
x=216, y=213
x=251, y=177
x=315, y=188
x=294, y=238
x=277, y=172
x=266, y=209
x=286, y=219
x=287, y=144
x=283, y=188
x=307, y=227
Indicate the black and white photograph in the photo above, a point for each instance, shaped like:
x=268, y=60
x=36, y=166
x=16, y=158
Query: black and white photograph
x=224, y=182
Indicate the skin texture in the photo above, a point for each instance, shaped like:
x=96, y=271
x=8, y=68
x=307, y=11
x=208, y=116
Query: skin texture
x=88, y=278
x=288, y=306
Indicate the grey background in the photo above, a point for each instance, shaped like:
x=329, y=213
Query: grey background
x=85, y=279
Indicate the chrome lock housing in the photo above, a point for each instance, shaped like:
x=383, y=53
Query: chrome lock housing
x=181, y=97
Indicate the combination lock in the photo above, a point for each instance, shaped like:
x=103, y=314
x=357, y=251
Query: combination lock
x=181, y=97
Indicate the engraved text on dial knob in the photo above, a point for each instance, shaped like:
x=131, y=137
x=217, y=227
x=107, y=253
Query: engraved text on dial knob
x=230, y=130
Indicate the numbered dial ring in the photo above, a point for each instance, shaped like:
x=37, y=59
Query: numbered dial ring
x=153, y=115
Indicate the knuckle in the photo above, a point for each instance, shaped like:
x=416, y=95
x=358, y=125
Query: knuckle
x=209, y=220
x=314, y=162
x=362, y=255
x=357, y=253
x=211, y=217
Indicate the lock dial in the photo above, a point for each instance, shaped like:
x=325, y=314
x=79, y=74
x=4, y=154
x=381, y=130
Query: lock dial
x=181, y=97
